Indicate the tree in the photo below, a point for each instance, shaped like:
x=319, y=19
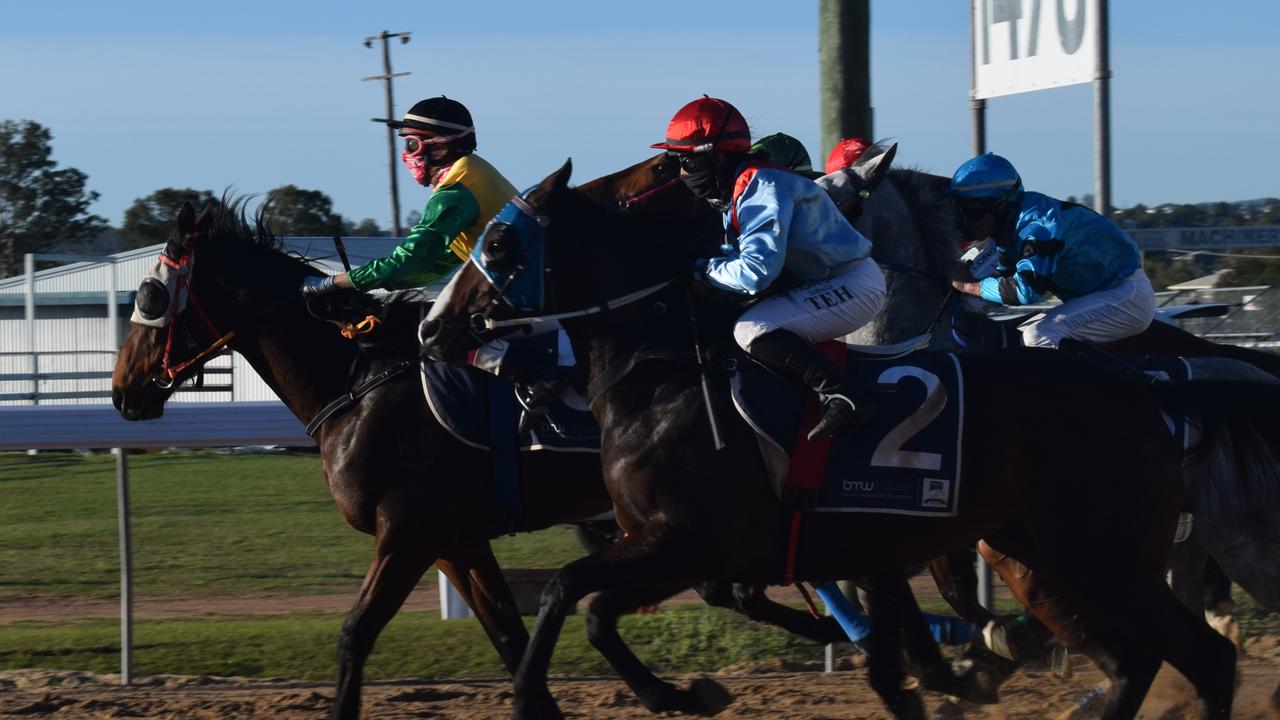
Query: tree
x=149, y=219
x=42, y=208
x=367, y=227
x=291, y=210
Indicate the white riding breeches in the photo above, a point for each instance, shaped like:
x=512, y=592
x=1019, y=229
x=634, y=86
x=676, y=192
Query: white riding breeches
x=820, y=310
x=1123, y=311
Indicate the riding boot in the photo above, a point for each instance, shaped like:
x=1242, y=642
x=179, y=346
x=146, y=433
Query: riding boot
x=793, y=358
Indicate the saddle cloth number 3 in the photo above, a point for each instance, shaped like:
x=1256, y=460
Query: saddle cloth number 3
x=889, y=452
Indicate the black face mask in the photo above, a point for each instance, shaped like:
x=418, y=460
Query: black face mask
x=706, y=185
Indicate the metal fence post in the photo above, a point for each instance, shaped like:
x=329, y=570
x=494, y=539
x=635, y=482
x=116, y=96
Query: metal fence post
x=126, y=567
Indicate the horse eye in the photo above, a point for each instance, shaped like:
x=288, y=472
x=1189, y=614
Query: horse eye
x=663, y=169
x=497, y=244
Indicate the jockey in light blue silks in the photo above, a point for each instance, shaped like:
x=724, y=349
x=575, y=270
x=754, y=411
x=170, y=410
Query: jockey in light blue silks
x=784, y=236
x=1047, y=245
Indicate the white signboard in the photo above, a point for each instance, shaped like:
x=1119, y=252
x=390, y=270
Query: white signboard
x=1022, y=45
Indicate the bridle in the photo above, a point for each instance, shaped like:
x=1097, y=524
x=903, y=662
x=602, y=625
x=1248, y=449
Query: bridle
x=169, y=371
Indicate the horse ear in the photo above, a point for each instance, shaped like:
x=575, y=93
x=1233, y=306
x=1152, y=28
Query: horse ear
x=557, y=180
x=562, y=175
x=871, y=170
x=179, y=238
x=206, y=216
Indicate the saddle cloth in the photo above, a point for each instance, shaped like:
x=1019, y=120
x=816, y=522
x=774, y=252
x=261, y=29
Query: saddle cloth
x=475, y=406
x=905, y=461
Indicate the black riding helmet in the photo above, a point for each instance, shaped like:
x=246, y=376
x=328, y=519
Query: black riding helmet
x=439, y=116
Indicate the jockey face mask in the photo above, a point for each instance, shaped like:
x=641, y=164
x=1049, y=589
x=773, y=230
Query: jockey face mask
x=515, y=265
x=153, y=305
x=699, y=173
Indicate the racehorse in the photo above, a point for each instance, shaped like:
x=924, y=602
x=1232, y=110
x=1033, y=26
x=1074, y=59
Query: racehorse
x=916, y=230
x=692, y=512
x=393, y=470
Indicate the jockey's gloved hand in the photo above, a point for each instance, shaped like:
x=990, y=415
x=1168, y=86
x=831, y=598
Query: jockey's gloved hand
x=313, y=286
x=700, y=270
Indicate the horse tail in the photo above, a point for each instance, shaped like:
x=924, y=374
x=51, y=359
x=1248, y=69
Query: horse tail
x=1233, y=472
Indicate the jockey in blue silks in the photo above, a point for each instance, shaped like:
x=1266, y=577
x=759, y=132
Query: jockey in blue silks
x=1051, y=246
x=784, y=236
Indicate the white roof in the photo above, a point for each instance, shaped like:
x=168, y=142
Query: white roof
x=132, y=265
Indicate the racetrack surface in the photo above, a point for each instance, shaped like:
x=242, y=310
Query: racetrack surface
x=759, y=692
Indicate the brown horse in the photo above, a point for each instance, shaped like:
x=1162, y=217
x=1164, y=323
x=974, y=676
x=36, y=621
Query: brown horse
x=394, y=472
x=693, y=513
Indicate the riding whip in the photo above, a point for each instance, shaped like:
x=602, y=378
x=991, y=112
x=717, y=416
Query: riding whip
x=342, y=252
x=702, y=372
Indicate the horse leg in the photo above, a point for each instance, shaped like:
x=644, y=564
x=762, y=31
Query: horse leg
x=634, y=560
x=1129, y=667
x=396, y=569
x=704, y=696
x=888, y=608
x=1203, y=656
x=957, y=581
x=1186, y=573
x=476, y=575
x=751, y=600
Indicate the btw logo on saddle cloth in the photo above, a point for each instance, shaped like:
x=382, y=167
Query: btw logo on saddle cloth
x=906, y=461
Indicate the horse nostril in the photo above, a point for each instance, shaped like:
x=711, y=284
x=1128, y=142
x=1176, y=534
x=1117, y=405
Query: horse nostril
x=117, y=399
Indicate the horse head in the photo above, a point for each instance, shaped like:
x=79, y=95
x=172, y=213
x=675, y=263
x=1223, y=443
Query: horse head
x=555, y=251
x=187, y=312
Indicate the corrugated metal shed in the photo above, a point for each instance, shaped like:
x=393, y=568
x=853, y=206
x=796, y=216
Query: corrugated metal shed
x=72, y=334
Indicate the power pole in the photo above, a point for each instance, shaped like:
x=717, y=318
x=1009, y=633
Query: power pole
x=386, y=77
x=844, y=63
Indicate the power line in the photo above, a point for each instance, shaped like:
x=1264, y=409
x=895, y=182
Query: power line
x=386, y=77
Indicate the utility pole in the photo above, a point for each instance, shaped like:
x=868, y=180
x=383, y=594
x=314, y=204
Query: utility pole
x=844, y=64
x=386, y=77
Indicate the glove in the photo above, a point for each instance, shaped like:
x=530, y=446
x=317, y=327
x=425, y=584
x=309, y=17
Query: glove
x=313, y=286
x=700, y=270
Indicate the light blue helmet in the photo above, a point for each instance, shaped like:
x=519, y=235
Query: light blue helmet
x=986, y=177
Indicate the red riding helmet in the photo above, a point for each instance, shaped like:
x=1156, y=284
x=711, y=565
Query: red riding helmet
x=846, y=153
x=707, y=124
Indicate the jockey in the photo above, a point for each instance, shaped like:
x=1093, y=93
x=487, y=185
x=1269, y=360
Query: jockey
x=1047, y=245
x=784, y=236
x=439, y=150
x=784, y=150
x=846, y=153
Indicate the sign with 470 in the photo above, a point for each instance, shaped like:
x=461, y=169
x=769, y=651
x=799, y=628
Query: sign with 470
x=1022, y=45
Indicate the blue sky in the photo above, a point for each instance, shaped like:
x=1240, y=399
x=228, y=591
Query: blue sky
x=252, y=95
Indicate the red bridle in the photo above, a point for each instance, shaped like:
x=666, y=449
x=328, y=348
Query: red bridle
x=182, y=266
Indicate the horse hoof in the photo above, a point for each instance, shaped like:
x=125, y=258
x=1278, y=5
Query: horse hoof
x=537, y=707
x=713, y=696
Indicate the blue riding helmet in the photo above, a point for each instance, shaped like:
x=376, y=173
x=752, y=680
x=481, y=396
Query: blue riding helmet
x=986, y=177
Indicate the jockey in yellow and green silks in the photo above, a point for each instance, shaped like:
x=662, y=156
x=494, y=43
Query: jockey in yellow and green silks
x=439, y=150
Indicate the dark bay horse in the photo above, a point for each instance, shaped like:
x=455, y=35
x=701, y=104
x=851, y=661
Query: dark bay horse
x=394, y=472
x=693, y=513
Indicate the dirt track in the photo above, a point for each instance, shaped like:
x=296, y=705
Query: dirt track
x=759, y=692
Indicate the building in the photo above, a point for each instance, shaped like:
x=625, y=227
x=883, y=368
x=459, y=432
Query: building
x=66, y=352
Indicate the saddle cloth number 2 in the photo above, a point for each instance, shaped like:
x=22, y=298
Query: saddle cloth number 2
x=889, y=452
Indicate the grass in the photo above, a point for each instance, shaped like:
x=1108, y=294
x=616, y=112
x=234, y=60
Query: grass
x=208, y=524
x=204, y=523
x=678, y=639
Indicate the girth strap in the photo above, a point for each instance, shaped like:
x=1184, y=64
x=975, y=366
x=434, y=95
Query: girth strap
x=347, y=400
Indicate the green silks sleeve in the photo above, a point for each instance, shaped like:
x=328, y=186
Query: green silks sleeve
x=424, y=255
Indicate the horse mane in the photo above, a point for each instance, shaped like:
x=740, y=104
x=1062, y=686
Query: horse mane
x=926, y=197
